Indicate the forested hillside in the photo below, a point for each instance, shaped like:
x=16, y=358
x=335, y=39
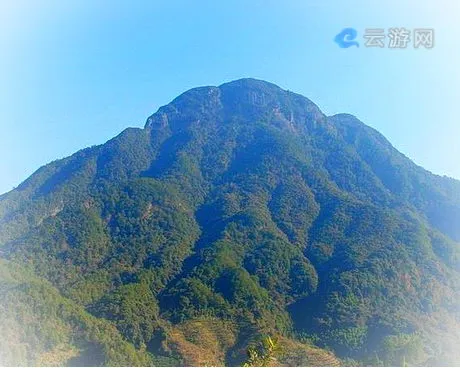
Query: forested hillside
x=238, y=212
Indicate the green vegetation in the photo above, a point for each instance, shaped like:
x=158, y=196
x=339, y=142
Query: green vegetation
x=40, y=327
x=238, y=212
x=262, y=354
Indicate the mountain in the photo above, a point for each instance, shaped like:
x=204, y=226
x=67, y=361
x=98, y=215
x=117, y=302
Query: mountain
x=238, y=212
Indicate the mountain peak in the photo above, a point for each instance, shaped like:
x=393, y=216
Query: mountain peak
x=241, y=210
x=250, y=83
x=246, y=98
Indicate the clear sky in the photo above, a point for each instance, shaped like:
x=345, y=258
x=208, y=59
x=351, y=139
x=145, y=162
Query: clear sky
x=76, y=73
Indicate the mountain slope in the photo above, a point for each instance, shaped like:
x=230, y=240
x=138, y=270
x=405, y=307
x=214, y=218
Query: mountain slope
x=40, y=327
x=246, y=204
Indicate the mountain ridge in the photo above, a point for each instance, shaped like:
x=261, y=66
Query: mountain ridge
x=334, y=117
x=245, y=204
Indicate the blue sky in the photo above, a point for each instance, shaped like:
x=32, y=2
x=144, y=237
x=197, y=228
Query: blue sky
x=76, y=73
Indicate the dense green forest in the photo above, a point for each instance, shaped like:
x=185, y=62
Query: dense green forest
x=240, y=226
